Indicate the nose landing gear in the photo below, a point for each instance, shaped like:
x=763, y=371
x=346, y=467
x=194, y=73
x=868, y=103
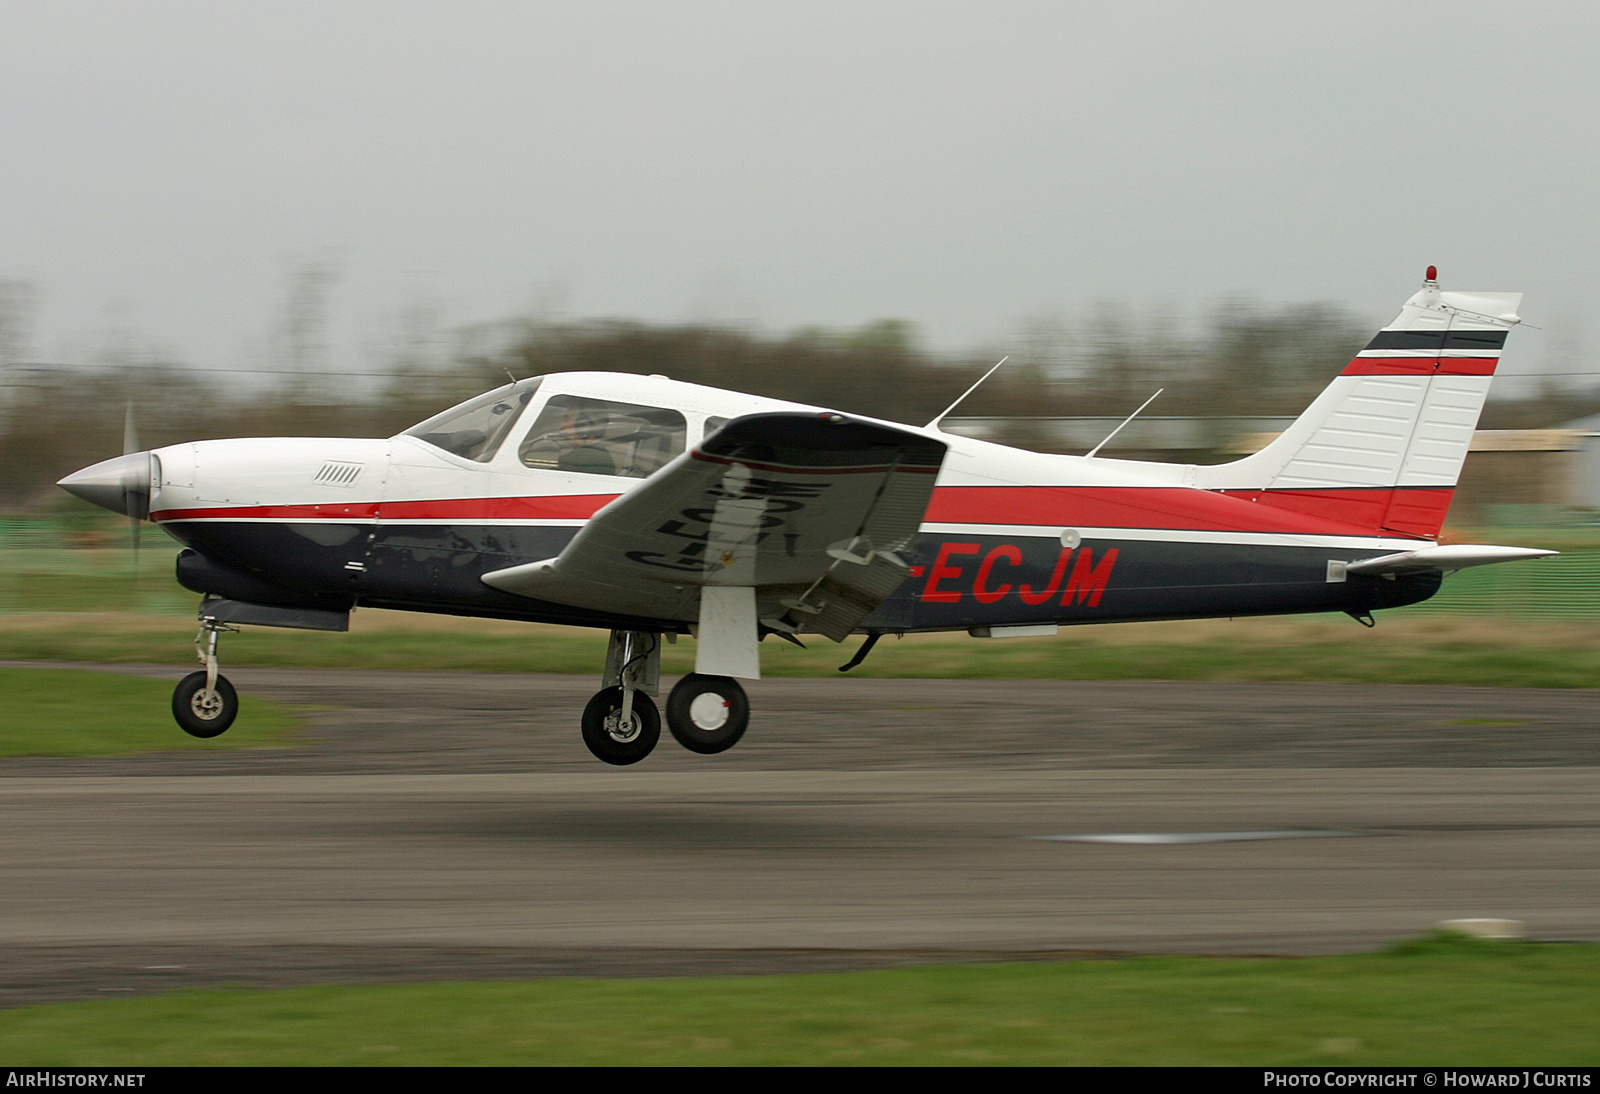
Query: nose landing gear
x=204, y=703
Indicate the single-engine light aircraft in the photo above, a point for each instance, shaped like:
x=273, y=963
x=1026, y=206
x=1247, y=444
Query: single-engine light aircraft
x=654, y=508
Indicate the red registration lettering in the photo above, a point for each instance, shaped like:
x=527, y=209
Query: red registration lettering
x=1089, y=580
x=1031, y=597
x=980, y=585
x=939, y=571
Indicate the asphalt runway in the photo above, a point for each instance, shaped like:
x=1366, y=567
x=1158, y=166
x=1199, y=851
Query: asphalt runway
x=453, y=826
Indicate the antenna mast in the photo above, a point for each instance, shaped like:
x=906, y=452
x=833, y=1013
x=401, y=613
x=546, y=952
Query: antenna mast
x=1090, y=454
x=941, y=416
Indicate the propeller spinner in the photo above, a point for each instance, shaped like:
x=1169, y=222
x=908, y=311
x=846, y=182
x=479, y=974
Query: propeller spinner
x=120, y=484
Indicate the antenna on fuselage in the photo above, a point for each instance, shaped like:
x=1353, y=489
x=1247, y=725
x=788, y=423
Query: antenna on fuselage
x=1090, y=454
x=941, y=417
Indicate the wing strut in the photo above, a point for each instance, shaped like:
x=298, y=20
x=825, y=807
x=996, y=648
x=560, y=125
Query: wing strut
x=729, y=633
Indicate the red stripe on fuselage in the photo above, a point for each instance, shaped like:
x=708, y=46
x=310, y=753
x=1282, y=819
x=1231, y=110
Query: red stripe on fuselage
x=1408, y=510
x=1331, y=512
x=1421, y=366
x=548, y=507
x=1413, y=511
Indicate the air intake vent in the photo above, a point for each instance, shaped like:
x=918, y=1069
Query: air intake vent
x=338, y=473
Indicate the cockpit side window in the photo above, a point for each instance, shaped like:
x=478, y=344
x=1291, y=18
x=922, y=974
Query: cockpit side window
x=474, y=429
x=599, y=437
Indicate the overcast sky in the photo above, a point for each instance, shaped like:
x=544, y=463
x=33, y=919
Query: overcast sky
x=966, y=166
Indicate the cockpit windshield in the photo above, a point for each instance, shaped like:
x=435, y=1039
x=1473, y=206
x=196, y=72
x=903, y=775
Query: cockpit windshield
x=475, y=428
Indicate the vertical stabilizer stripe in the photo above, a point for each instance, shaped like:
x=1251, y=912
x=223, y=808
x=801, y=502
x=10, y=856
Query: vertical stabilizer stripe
x=1442, y=366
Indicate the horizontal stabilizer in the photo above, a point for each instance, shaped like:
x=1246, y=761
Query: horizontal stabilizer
x=1455, y=556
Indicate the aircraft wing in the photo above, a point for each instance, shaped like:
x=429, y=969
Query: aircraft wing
x=810, y=509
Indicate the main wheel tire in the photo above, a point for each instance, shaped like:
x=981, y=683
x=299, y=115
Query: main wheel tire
x=707, y=714
x=202, y=712
x=609, y=739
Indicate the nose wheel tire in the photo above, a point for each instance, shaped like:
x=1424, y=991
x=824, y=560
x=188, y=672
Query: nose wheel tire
x=610, y=738
x=707, y=714
x=202, y=711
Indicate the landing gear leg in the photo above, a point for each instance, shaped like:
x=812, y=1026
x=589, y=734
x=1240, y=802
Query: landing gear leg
x=204, y=703
x=621, y=724
x=707, y=714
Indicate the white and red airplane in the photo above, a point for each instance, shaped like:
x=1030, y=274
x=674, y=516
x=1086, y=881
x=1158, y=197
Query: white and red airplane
x=654, y=508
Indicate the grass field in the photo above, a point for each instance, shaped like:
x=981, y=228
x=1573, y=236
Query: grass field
x=65, y=712
x=1442, y=1001
x=1404, y=650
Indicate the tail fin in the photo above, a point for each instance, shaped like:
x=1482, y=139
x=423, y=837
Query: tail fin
x=1384, y=443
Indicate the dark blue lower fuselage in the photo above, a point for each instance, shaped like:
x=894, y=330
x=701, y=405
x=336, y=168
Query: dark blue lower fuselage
x=956, y=581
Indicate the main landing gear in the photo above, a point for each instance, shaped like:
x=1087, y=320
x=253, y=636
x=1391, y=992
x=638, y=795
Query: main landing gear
x=621, y=725
x=707, y=714
x=204, y=703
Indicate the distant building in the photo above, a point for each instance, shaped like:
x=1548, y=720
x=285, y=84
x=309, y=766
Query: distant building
x=1584, y=469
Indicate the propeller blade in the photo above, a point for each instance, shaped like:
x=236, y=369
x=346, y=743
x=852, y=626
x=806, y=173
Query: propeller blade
x=130, y=445
x=130, y=432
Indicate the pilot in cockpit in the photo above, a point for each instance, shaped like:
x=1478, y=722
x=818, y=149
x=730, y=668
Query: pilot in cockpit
x=580, y=441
